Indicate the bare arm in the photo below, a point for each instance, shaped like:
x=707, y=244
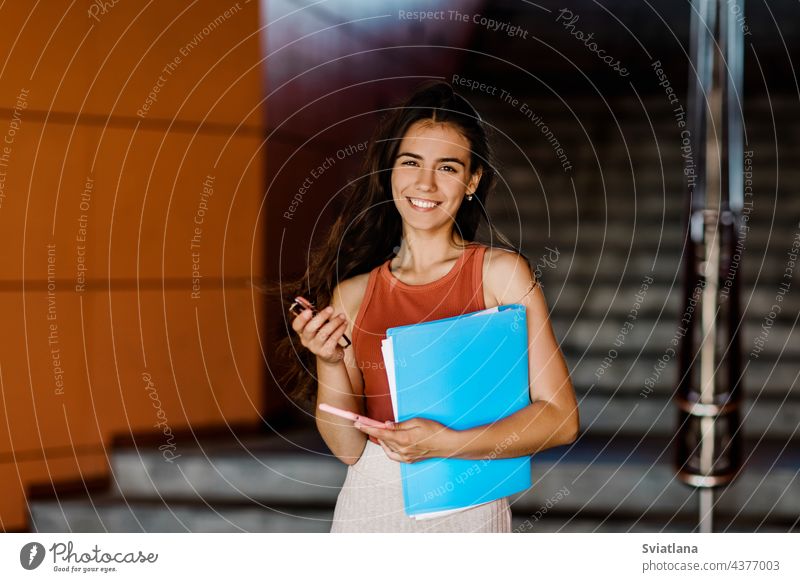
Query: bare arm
x=552, y=417
x=339, y=379
x=335, y=388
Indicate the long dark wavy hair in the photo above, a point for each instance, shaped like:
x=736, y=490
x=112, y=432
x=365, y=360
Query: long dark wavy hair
x=368, y=231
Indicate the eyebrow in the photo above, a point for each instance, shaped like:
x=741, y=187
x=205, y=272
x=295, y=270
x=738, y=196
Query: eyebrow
x=419, y=157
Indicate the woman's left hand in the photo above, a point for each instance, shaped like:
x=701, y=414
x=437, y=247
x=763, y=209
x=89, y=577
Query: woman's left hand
x=413, y=440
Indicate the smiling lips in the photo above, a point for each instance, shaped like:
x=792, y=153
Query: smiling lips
x=422, y=204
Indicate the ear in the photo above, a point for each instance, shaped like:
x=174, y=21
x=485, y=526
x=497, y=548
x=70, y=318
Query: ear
x=474, y=180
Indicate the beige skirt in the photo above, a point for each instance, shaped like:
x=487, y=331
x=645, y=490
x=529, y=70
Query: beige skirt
x=371, y=500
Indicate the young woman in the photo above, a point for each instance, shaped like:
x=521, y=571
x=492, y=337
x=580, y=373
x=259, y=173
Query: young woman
x=403, y=251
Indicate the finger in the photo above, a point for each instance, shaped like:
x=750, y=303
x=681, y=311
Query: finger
x=378, y=433
x=333, y=340
x=393, y=439
x=389, y=452
x=413, y=423
x=317, y=322
x=329, y=328
x=301, y=320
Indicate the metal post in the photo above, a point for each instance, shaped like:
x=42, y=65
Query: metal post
x=709, y=387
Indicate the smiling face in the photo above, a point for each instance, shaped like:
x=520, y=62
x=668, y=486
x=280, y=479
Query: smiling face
x=432, y=174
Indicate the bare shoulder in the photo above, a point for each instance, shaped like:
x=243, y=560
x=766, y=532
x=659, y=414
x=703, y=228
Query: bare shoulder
x=347, y=297
x=349, y=294
x=506, y=276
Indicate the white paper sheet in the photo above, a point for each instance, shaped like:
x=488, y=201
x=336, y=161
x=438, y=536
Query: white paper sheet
x=387, y=350
x=444, y=512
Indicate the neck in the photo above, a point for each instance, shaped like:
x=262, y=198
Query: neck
x=421, y=250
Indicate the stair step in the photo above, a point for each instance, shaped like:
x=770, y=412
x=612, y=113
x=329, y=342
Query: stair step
x=629, y=378
x=580, y=300
x=650, y=336
x=629, y=112
x=258, y=470
x=637, y=475
x=604, y=413
x=552, y=204
x=560, y=261
x=553, y=522
x=116, y=515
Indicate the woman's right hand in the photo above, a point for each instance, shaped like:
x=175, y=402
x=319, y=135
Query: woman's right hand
x=321, y=333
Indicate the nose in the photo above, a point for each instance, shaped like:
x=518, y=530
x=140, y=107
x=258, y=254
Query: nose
x=425, y=180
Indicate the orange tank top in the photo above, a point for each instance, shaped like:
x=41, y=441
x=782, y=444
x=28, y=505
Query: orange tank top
x=388, y=302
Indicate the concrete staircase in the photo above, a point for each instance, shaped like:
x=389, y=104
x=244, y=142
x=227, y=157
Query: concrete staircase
x=616, y=218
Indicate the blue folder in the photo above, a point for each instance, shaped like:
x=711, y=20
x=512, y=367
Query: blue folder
x=462, y=371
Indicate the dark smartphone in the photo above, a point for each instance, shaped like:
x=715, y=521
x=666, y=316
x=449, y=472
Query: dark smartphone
x=297, y=307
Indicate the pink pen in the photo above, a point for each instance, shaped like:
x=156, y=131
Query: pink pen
x=365, y=420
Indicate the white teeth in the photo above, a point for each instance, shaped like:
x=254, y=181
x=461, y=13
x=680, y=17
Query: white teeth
x=422, y=204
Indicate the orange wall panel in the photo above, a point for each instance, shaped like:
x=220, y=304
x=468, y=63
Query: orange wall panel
x=45, y=49
x=198, y=59
x=45, y=401
x=41, y=198
x=98, y=203
x=156, y=189
x=196, y=361
x=139, y=193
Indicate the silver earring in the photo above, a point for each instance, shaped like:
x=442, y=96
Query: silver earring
x=469, y=196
